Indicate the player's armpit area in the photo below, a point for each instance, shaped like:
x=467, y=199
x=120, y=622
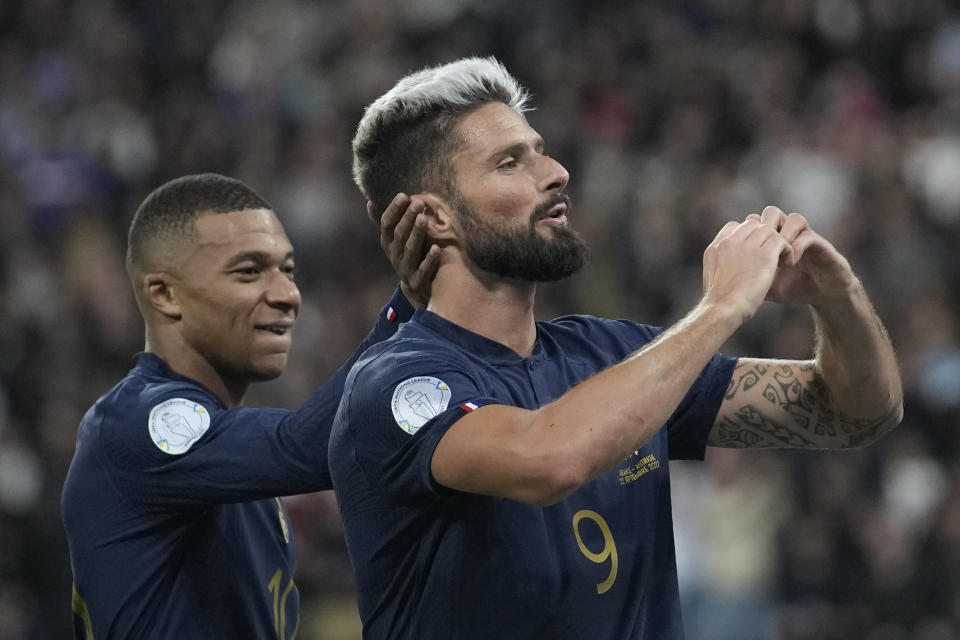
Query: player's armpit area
x=784, y=403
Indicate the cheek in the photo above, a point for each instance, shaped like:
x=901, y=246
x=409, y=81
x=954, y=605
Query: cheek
x=510, y=201
x=214, y=317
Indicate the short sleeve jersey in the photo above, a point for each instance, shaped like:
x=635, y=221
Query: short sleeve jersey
x=435, y=563
x=170, y=509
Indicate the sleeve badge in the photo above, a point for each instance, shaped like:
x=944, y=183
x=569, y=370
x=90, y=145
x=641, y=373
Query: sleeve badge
x=176, y=424
x=417, y=400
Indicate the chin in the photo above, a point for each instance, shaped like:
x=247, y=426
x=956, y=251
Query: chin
x=269, y=369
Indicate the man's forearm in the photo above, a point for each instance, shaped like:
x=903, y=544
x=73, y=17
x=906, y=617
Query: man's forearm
x=628, y=403
x=541, y=456
x=857, y=363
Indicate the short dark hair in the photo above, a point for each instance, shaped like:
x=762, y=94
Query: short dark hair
x=168, y=213
x=406, y=137
x=413, y=159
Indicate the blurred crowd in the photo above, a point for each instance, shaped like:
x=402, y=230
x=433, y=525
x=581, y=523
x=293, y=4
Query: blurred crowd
x=672, y=117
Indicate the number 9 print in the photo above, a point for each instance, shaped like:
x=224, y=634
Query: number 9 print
x=609, y=549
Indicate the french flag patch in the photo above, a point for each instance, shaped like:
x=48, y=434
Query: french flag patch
x=390, y=314
x=471, y=406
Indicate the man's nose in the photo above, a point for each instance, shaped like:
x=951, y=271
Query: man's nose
x=555, y=176
x=283, y=292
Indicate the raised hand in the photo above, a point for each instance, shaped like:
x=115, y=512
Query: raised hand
x=815, y=272
x=740, y=264
x=403, y=237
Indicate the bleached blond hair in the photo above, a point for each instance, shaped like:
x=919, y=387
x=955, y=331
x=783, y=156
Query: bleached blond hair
x=406, y=136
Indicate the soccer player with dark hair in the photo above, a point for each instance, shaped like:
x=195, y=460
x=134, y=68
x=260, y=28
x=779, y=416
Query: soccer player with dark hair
x=500, y=477
x=170, y=504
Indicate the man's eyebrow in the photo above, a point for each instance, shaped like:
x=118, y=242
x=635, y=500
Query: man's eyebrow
x=517, y=148
x=260, y=257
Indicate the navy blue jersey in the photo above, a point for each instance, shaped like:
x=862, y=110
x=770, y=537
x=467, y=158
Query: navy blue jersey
x=170, y=507
x=436, y=563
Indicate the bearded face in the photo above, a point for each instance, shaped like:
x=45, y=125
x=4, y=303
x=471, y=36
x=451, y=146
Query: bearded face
x=523, y=250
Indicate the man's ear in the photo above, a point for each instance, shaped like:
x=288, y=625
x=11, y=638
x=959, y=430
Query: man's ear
x=442, y=223
x=161, y=293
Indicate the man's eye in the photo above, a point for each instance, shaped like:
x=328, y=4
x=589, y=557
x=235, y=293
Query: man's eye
x=247, y=271
x=291, y=272
x=510, y=163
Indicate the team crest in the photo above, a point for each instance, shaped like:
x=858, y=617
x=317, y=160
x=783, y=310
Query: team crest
x=417, y=400
x=176, y=424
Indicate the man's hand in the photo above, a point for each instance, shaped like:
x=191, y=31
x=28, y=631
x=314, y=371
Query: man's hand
x=403, y=237
x=815, y=272
x=851, y=391
x=740, y=264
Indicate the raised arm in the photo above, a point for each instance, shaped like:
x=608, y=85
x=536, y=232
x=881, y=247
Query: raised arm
x=541, y=456
x=291, y=446
x=849, y=394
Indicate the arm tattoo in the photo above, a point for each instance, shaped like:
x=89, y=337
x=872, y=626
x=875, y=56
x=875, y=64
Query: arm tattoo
x=788, y=405
x=750, y=429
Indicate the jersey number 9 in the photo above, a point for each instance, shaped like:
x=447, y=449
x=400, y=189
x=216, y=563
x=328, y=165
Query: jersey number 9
x=609, y=549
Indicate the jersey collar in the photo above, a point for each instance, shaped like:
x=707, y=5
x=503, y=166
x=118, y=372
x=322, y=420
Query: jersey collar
x=490, y=350
x=152, y=365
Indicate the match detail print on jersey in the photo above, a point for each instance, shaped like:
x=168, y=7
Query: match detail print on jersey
x=176, y=424
x=417, y=400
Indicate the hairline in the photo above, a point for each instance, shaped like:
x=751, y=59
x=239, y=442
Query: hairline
x=187, y=234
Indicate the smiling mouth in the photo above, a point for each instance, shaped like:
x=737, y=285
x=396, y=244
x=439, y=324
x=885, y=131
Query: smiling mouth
x=276, y=329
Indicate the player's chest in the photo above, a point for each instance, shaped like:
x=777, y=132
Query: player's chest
x=259, y=530
x=536, y=381
x=588, y=552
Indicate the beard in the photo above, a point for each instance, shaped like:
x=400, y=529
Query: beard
x=521, y=252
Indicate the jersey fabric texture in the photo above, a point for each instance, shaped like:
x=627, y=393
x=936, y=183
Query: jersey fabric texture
x=435, y=563
x=170, y=509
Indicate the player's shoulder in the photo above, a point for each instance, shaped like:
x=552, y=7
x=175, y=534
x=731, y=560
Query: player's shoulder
x=146, y=401
x=410, y=346
x=414, y=355
x=149, y=384
x=598, y=331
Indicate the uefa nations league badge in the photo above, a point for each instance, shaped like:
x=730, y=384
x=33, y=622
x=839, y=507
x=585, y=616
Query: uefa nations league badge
x=176, y=424
x=416, y=400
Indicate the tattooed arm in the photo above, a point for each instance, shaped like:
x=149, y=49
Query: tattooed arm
x=786, y=403
x=848, y=395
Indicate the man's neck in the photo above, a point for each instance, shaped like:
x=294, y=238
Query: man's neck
x=190, y=364
x=498, y=309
